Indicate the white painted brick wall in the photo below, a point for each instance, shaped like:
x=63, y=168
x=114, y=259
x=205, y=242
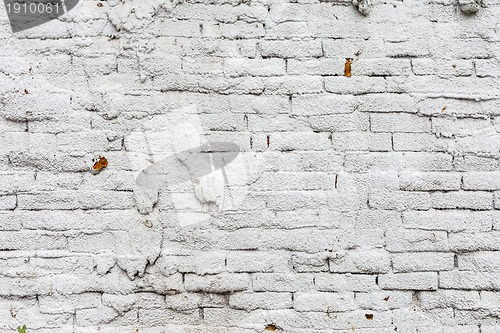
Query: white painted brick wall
x=363, y=204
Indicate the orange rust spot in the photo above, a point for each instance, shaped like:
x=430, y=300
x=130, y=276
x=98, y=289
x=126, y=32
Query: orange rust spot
x=100, y=164
x=347, y=67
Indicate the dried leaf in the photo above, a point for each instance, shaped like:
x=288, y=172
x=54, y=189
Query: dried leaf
x=347, y=67
x=100, y=164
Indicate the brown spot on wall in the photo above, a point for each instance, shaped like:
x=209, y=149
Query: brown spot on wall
x=369, y=316
x=99, y=164
x=271, y=327
x=347, y=67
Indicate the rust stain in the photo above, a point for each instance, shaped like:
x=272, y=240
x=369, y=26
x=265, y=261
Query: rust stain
x=443, y=109
x=347, y=67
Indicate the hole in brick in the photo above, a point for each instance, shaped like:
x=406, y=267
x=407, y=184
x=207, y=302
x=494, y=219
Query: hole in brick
x=369, y=316
x=202, y=313
x=272, y=327
x=386, y=298
x=268, y=141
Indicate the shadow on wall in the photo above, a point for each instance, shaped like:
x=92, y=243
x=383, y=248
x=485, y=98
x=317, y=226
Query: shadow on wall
x=172, y=154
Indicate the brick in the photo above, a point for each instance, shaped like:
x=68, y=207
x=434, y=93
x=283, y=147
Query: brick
x=217, y=284
x=487, y=181
x=203, y=263
x=355, y=85
x=487, y=67
x=487, y=261
x=342, y=123
x=474, y=200
x=324, y=104
x=368, y=261
x=291, y=49
x=361, y=141
x=452, y=221
x=466, y=280
x=446, y=127
x=9, y=222
x=239, y=262
x=387, y=103
x=68, y=200
x=324, y=302
x=394, y=122
x=381, y=67
x=202, y=66
x=8, y=202
x=317, y=66
x=241, y=30
x=456, y=67
x=474, y=163
x=24, y=240
x=384, y=300
x=310, y=262
x=420, y=142
x=283, y=282
x=299, y=141
x=194, y=301
x=430, y=181
x=399, y=200
x=409, y=281
x=475, y=241
x=345, y=282
x=68, y=303
x=422, y=262
x=260, y=300
x=117, y=242
x=407, y=240
x=235, y=67
x=295, y=84
x=450, y=299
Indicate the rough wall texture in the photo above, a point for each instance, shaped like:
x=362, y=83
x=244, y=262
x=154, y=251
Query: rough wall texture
x=361, y=204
